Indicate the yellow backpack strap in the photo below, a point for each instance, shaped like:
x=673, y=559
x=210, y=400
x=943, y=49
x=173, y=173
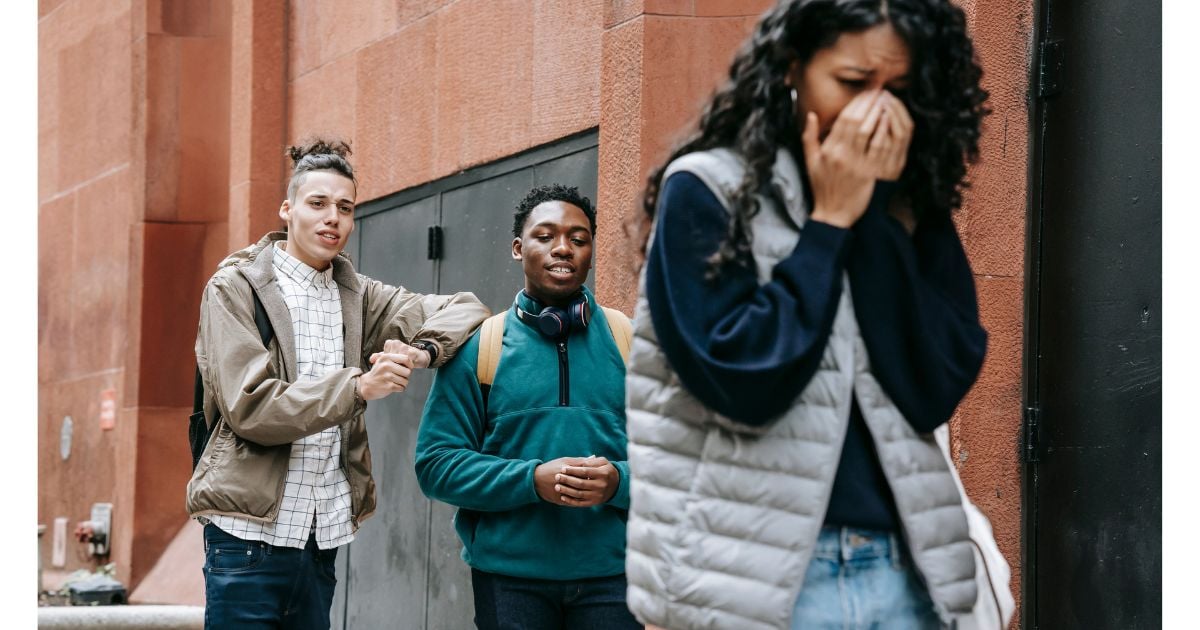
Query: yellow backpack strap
x=622, y=330
x=491, y=337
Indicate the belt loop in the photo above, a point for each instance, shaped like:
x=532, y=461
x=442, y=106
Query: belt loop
x=844, y=549
x=894, y=544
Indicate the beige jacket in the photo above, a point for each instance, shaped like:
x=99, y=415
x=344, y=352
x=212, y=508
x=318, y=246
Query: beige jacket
x=263, y=409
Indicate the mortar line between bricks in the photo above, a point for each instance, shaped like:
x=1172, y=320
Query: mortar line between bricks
x=83, y=377
x=52, y=12
x=63, y=193
x=366, y=44
x=700, y=17
x=624, y=22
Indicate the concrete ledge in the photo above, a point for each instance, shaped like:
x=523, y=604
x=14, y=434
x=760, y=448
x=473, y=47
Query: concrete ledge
x=118, y=617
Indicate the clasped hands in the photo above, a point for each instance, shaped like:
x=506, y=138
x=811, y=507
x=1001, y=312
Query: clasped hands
x=576, y=481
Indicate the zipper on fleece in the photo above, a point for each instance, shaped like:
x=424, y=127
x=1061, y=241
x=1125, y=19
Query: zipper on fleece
x=564, y=375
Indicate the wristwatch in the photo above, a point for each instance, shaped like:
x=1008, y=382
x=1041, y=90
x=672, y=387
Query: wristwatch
x=427, y=346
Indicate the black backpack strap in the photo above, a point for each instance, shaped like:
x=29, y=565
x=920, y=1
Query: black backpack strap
x=198, y=395
x=199, y=431
x=265, y=331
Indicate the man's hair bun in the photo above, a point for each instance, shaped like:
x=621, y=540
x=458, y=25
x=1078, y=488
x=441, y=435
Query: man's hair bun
x=318, y=146
x=318, y=154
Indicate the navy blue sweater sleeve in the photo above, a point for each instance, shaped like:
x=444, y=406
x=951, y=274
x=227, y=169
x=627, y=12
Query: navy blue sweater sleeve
x=744, y=350
x=914, y=298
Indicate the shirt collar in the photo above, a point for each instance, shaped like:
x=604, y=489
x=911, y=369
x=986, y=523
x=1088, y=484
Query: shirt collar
x=298, y=271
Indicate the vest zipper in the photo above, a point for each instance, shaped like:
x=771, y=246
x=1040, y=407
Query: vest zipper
x=564, y=377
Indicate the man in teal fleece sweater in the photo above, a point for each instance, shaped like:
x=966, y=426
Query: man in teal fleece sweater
x=536, y=462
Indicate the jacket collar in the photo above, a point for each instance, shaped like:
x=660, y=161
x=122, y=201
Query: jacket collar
x=534, y=306
x=255, y=263
x=524, y=303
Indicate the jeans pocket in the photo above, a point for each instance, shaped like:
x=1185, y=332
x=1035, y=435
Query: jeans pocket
x=327, y=563
x=228, y=556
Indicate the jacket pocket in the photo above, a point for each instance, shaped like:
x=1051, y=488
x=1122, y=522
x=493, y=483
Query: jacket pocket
x=218, y=443
x=239, y=477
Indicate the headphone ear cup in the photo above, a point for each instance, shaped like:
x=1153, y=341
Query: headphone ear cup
x=551, y=322
x=581, y=313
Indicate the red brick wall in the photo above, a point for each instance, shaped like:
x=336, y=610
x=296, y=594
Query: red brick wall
x=662, y=60
x=85, y=191
x=986, y=431
x=133, y=160
x=430, y=88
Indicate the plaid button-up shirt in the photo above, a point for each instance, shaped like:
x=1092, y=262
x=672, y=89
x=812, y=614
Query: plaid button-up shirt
x=316, y=493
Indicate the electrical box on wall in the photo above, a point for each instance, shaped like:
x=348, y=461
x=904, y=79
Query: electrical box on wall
x=97, y=531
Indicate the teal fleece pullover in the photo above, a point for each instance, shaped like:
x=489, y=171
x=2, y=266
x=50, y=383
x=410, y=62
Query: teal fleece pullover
x=482, y=459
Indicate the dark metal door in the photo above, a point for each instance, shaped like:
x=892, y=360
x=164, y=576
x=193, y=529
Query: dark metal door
x=1094, y=358
x=388, y=557
x=404, y=569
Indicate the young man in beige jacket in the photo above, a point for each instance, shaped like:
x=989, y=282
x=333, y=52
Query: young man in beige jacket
x=285, y=478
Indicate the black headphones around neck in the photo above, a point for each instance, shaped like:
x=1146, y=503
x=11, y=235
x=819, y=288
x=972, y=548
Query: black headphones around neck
x=555, y=322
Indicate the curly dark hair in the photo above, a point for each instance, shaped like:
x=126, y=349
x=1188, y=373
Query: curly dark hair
x=318, y=154
x=752, y=112
x=552, y=192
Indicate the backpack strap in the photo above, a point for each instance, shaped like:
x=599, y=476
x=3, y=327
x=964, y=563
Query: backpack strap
x=491, y=338
x=265, y=331
x=198, y=394
x=199, y=431
x=622, y=330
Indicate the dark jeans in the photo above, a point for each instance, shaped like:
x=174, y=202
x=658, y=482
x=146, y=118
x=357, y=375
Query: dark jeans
x=511, y=603
x=251, y=584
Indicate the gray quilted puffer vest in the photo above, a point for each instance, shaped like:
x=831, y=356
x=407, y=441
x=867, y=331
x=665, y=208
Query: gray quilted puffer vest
x=723, y=517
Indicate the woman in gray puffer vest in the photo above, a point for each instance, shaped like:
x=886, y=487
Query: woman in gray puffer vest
x=807, y=318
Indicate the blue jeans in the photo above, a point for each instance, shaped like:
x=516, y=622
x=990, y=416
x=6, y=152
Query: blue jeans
x=511, y=603
x=251, y=584
x=862, y=578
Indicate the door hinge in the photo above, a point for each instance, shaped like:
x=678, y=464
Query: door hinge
x=1050, y=68
x=435, y=243
x=1033, y=417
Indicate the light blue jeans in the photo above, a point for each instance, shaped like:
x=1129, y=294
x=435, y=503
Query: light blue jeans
x=862, y=578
